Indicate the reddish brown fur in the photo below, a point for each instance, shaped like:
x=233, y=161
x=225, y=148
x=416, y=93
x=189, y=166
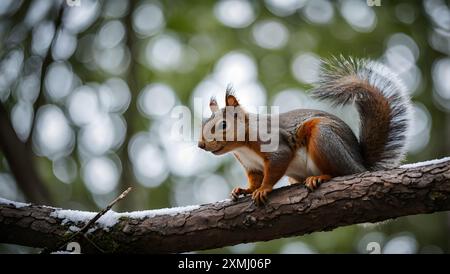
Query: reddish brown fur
x=255, y=179
x=307, y=137
x=305, y=131
x=266, y=179
x=232, y=101
x=377, y=113
x=261, y=183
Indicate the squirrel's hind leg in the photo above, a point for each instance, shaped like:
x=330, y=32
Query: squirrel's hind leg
x=332, y=147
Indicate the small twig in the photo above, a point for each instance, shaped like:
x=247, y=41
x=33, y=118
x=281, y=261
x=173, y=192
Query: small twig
x=101, y=213
x=90, y=223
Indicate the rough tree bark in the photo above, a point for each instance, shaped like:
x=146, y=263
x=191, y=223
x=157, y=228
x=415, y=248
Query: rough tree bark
x=360, y=198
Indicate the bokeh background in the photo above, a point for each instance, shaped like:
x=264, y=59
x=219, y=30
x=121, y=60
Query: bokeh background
x=87, y=88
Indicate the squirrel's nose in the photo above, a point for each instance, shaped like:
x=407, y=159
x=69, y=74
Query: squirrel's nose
x=201, y=144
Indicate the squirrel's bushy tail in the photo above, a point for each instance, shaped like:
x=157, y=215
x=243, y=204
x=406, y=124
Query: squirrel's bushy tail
x=381, y=100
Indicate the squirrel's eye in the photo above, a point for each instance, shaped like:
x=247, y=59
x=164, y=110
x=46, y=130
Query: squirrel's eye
x=223, y=125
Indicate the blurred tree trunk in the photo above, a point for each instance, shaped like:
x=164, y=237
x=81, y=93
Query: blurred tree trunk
x=20, y=161
x=291, y=211
x=127, y=178
x=19, y=154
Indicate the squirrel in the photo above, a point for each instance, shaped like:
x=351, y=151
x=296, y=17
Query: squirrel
x=315, y=146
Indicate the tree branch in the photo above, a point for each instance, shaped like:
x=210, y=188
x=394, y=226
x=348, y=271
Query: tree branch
x=359, y=198
x=85, y=228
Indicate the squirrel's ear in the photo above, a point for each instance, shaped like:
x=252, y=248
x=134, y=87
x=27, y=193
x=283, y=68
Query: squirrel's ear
x=213, y=105
x=231, y=101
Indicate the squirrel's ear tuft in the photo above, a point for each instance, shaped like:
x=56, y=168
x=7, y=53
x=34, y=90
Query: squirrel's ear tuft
x=230, y=99
x=213, y=105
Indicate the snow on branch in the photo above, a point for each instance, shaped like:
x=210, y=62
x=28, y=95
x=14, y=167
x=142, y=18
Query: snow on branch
x=360, y=198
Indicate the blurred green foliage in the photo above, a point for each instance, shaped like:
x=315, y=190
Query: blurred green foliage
x=205, y=38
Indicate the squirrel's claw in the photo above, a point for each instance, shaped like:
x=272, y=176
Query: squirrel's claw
x=313, y=182
x=260, y=196
x=237, y=191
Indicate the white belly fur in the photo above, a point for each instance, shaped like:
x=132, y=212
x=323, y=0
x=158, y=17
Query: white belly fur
x=249, y=159
x=300, y=167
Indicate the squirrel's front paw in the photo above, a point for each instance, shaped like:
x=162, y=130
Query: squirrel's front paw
x=260, y=196
x=313, y=182
x=237, y=191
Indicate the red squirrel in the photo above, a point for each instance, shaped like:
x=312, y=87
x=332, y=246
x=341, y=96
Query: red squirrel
x=315, y=146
